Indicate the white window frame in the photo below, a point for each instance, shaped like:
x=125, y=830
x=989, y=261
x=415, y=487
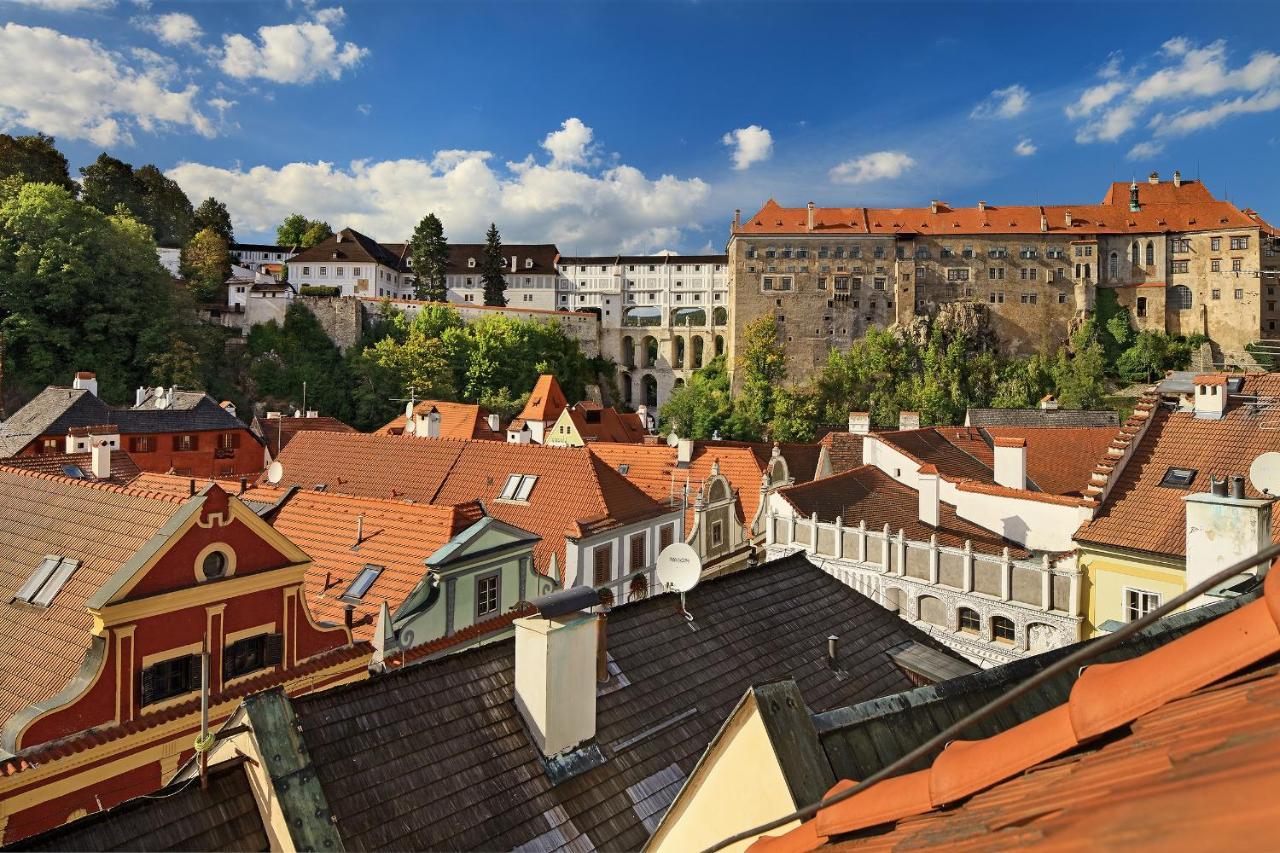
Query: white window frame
x=1130, y=608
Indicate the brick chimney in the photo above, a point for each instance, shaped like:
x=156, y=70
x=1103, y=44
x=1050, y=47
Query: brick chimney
x=86, y=380
x=859, y=423
x=1210, y=396
x=927, y=489
x=1010, y=462
x=556, y=669
x=1224, y=527
x=100, y=459
x=737, y=218
x=908, y=420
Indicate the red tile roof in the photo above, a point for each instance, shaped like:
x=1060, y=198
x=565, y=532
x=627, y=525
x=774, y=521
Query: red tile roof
x=457, y=420
x=595, y=423
x=1170, y=760
x=844, y=449
x=546, y=401
x=123, y=469
x=278, y=432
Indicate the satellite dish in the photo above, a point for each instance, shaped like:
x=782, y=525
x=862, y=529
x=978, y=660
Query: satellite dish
x=1264, y=473
x=679, y=567
x=275, y=473
x=409, y=426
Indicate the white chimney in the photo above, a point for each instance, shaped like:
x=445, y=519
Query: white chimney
x=1044, y=222
x=810, y=216
x=139, y=396
x=1210, y=396
x=433, y=423
x=1066, y=218
x=859, y=423
x=273, y=416
x=642, y=411
x=1223, y=527
x=982, y=206
x=495, y=421
x=1011, y=462
x=86, y=380
x=1177, y=178
x=100, y=459
x=72, y=444
x=311, y=413
x=908, y=420
x=933, y=206
x=927, y=486
x=556, y=658
x=1153, y=178
x=1048, y=403
x=519, y=436
x=684, y=451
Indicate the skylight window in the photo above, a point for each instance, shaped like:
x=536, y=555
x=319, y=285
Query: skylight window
x=1178, y=478
x=74, y=472
x=518, y=487
x=47, y=580
x=624, y=468
x=363, y=581
x=1235, y=384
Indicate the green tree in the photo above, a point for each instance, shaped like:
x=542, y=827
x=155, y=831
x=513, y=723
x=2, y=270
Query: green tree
x=317, y=232
x=703, y=406
x=1078, y=373
x=429, y=254
x=491, y=268
x=206, y=264
x=108, y=183
x=796, y=414
x=35, y=159
x=289, y=232
x=213, y=214
x=285, y=356
x=762, y=366
x=165, y=207
x=418, y=354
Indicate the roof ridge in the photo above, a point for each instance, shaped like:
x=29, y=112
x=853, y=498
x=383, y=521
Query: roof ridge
x=101, y=485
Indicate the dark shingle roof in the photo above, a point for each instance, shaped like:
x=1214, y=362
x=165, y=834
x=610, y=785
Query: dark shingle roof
x=543, y=255
x=350, y=246
x=222, y=817
x=436, y=756
x=1040, y=418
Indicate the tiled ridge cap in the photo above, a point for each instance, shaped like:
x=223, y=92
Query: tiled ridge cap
x=1107, y=696
x=1024, y=494
x=81, y=741
x=462, y=635
x=101, y=485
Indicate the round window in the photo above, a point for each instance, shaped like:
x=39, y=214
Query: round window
x=215, y=565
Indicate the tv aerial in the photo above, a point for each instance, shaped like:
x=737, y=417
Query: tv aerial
x=679, y=569
x=1264, y=473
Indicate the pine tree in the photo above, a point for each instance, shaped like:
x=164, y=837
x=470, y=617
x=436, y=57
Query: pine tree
x=491, y=269
x=213, y=214
x=429, y=255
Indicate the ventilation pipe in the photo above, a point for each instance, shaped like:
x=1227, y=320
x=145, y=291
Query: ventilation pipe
x=833, y=647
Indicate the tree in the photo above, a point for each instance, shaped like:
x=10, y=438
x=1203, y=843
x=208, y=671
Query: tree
x=165, y=207
x=491, y=269
x=290, y=232
x=429, y=256
x=34, y=159
x=1078, y=373
x=206, y=264
x=703, y=406
x=418, y=354
x=108, y=183
x=286, y=355
x=213, y=214
x=317, y=232
x=762, y=366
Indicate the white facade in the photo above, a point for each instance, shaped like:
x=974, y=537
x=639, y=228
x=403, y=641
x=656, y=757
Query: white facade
x=253, y=255
x=353, y=278
x=528, y=286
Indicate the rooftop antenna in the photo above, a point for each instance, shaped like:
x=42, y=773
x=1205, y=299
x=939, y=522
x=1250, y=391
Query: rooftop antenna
x=679, y=568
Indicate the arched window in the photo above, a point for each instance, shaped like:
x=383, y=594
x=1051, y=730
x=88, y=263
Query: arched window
x=1113, y=265
x=625, y=381
x=697, y=351
x=719, y=345
x=717, y=492
x=628, y=352
x=649, y=351
x=678, y=343
x=689, y=317
x=1135, y=254
x=1088, y=271
x=719, y=316
x=1078, y=270
x=650, y=388
x=679, y=383
x=932, y=610
x=1180, y=297
x=1002, y=630
x=970, y=622
x=1151, y=254
x=893, y=599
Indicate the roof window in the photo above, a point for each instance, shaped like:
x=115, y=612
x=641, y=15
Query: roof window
x=624, y=468
x=75, y=472
x=46, y=581
x=363, y=581
x=1178, y=478
x=518, y=487
x=1235, y=384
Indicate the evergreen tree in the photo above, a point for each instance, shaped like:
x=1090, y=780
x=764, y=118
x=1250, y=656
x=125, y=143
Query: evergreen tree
x=317, y=232
x=429, y=256
x=165, y=207
x=213, y=214
x=491, y=269
x=109, y=182
x=206, y=264
x=34, y=159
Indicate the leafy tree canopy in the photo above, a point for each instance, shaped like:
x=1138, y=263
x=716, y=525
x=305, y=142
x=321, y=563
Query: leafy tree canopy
x=213, y=214
x=35, y=159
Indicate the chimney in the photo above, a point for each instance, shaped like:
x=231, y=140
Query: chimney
x=933, y=206
x=519, y=436
x=982, y=206
x=495, y=421
x=927, y=491
x=311, y=413
x=1224, y=528
x=338, y=238
x=557, y=651
x=273, y=416
x=229, y=407
x=1048, y=403
x=1067, y=220
x=737, y=218
x=86, y=380
x=100, y=459
x=684, y=451
x=139, y=396
x=833, y=648
x=1177, y=178
x=433, y=423
x=908, y=420
x=1153, y=178
x=1210, y=396
x=810, y=216
x=244, y=486
x=1044, y=222
x=859, y=423
x=1011, y=462
x=642, y=412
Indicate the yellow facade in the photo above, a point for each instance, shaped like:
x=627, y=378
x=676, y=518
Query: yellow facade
x=563, y=432
x=1110, y=574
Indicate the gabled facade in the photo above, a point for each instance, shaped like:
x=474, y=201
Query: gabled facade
x=101, y=639
x=355, y=264
x=588, y=422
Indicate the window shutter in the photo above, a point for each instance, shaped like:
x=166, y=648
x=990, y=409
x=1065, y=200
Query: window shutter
x=177, y=442
x=148, y=686
x=228, y=657
x=275, y=649
x=193, y=672
x=603, y=569
x=235, y=440
x=195, y=442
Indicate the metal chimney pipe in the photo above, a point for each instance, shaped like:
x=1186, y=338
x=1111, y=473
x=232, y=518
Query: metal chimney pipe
x=244, y=484
x=348, y=616
x=833, y=643
x=602, y=648
x=359, y=529
x=1218, y=487
x=191, y=486
x=1237, y=486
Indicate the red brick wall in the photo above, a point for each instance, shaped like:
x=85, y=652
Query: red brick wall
x=203, y=462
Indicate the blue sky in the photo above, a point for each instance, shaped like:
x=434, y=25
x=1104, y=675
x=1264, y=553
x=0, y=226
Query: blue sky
x=641, y=126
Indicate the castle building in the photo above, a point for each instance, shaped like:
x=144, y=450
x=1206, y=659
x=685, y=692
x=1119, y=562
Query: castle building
x=1181, y=260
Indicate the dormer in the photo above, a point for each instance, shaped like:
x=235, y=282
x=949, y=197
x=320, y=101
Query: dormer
x=528, y=263
x=471, y=263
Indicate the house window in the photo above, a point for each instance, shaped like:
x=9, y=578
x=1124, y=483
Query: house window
x=251, y=654
x=47, y=580
x=1239, y=242
x=324, y=271
x=1235, y=264
x=993, y=274
x=970, y=622
x=1178, y=478
x=1215, y=265
x=185, y=442
x=1181, y=245
x=666, y=535
x=355, y=271
x=488, y=589
x=170, y=678
x=337, y=271
x=356, y=591
x=229, y=440
x=1181, y=266
x=717, y=533
x=957, y=274
x=1002, y=630
x=1215, y=294
x=639, y=557
x=1239, y=293
x=879, y=283
x=142, y=444
x=1138, y=603
x=306, y=270
x=1215, y=243
x=1180, y=297
x=602, y=565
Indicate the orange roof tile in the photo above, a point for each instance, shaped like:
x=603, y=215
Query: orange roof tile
x=457, y=420
x=277, y=432
x=596, y=423
x=546, y=401
x=1060, y=460
x=1175, y=761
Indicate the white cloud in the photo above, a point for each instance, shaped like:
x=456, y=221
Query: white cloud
x=1024, y=148
x=583, y=209
x=750, y=145
x=364, y=109
x=1111, y=125
x=174, y=28
x=1145, y=150
x=330, y=17
x=876, y=166
x=570, y=145
x=67, y=5
x=1094, y=97
x=1008, y=102
x=289, y=53
x=1189, y=121
x=74, y=88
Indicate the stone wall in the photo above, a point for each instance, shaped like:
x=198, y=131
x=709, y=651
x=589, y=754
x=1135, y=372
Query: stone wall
x=341, y=317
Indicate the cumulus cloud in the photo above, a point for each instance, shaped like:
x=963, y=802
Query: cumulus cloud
x=1180, y=85
x=174, y=28
x=1024, y=148
x=66, y=5
x=570, y=145
x=750, y=145
x=292, y=53
x=582, y=208
x=878, y=165
x=74, y=88
x=1145, y=150
x=1008, y=102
